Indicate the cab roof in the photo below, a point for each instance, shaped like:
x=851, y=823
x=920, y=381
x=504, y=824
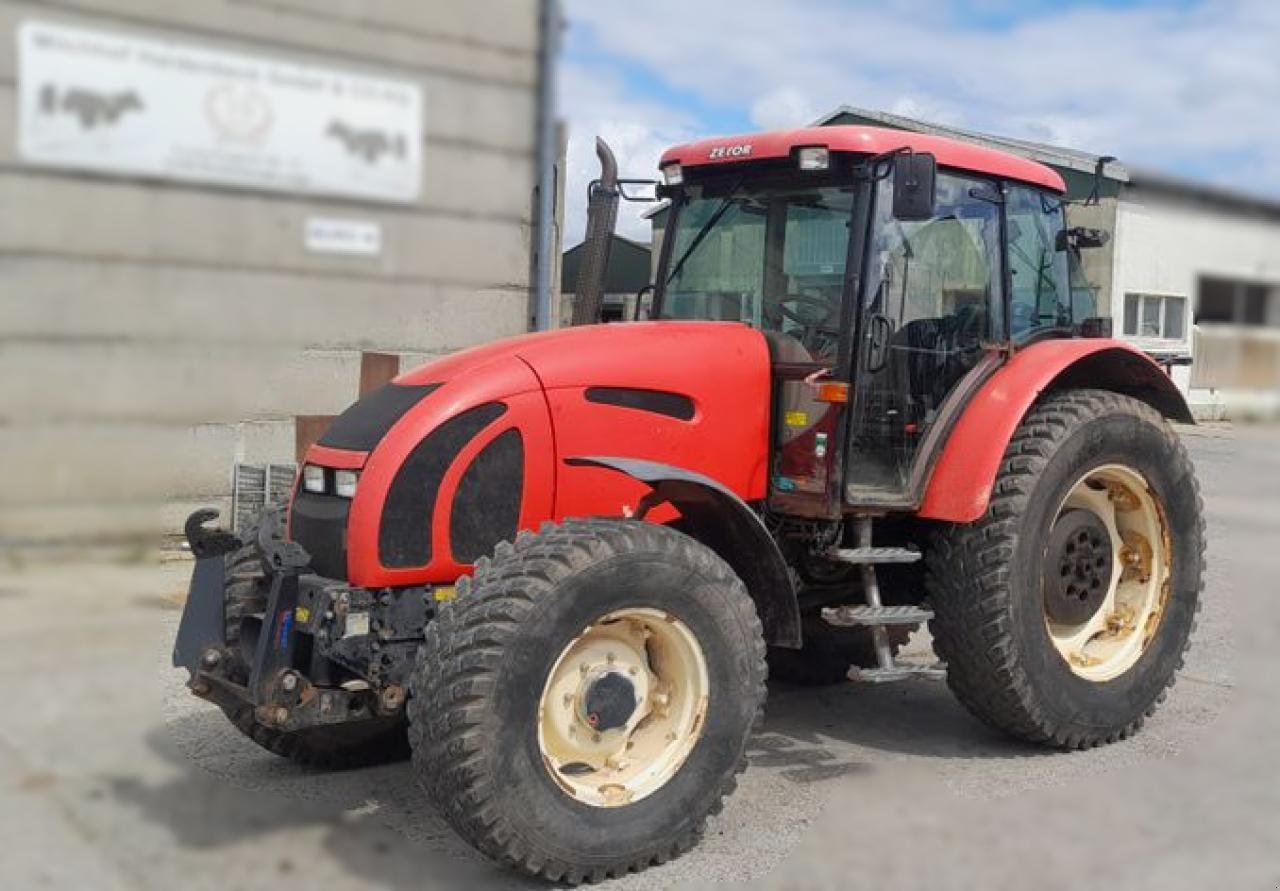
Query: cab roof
x=951, y=153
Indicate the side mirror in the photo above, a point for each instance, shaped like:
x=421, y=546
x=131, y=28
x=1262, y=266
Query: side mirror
x=915, y=180
x=1080, y=238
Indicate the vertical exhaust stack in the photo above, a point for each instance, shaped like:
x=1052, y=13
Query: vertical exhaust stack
x=602, y=218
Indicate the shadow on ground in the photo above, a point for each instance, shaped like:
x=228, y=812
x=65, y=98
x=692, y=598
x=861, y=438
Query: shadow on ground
x=351, y=809
x=227, y=792
x=815, y=734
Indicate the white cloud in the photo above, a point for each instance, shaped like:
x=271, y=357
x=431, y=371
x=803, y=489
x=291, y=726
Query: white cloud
x=596, y=104
x=783, y=108
x=1166, y=86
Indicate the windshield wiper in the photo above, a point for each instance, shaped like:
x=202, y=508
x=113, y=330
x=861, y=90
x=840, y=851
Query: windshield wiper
x=725, y=204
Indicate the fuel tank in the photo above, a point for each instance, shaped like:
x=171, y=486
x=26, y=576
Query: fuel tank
x=460, y=453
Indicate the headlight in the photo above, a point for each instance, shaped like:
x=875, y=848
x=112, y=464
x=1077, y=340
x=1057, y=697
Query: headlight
x=673, y=174
x=344, y=483
x=814, y=157
x=313, y=478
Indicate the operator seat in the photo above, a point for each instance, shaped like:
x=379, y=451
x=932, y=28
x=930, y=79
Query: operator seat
x=928, y=356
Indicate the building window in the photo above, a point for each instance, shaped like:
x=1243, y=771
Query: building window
x=1235, y=302
x=1155, y=316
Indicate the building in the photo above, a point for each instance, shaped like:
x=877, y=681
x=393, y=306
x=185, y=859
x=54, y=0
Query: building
x=1191, y=274
x=218, y=216
x=628, y=272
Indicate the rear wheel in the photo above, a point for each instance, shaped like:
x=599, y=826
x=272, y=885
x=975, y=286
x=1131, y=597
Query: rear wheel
x=1064, y=613
x=584, y=703
x=359, y=744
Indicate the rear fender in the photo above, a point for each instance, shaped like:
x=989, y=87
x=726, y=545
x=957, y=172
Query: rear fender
x=959, y=490
x=717, y=517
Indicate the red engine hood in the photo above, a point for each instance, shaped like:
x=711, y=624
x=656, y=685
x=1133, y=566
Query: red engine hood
x=573, y=393
x=722, y=367
x=649, y=355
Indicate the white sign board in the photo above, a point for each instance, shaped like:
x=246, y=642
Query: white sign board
x=333, y=235
x=102, y=101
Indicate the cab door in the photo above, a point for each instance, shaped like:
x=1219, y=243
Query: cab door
x=929, y=313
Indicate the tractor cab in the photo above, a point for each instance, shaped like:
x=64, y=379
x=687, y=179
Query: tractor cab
x=891, y=274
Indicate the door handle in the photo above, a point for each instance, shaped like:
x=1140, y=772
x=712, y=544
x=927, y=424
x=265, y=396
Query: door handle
x=879, y=333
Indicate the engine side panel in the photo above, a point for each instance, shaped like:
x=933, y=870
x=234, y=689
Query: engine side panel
x=691, y=396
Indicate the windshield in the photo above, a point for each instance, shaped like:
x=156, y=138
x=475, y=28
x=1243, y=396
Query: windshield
x=771, y=255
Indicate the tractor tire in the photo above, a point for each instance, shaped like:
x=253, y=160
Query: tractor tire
x=362, y=744
x=517, y=655
x=828, y=654
x=1012, y=625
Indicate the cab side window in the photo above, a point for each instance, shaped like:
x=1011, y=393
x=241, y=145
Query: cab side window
x=1039, y=273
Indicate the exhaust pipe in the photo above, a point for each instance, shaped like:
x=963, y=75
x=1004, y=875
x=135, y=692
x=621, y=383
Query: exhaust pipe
x=602, y=219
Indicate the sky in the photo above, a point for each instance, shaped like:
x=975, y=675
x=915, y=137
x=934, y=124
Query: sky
x=1189, y=88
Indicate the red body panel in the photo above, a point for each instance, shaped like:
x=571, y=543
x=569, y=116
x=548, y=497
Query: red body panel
x=960, y=488
x=543, y=378
x=339, y=459
x=493, y=378
x=863, y=140
x=722, y=366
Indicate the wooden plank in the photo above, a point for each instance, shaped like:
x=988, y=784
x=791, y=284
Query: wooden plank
x=307, y=432
x=377, y=369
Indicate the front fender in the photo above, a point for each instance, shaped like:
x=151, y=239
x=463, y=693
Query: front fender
x=959, y=488
x=715, y=516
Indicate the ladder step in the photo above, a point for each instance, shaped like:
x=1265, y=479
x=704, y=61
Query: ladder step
x=875, y=555
x=846, y=616
x=899, y=672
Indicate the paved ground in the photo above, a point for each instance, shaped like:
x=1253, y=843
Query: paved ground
x=110, y=777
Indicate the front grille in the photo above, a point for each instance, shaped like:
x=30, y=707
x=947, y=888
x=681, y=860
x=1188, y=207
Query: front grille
x=404, y=537
x=319, y=524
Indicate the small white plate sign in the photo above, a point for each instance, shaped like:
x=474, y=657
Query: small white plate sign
x=332, y=235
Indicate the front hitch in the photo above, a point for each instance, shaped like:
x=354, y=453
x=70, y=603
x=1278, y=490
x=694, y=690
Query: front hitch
x=202, y=635
x=204, y=621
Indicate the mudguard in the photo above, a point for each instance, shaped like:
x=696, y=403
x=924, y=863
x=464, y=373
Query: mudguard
x=959, y=489
x=717, y=517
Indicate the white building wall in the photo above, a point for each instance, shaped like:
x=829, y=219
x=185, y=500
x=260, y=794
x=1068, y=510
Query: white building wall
x=1164, y=246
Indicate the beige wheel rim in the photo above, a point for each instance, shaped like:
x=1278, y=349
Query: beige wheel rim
x=623, y=707
x=1131, y=598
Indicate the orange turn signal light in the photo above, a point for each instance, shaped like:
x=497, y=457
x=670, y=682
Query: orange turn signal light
x=836, y=392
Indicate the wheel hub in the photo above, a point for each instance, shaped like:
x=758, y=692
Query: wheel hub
x=608, y=702
x=623, y=707
x=1106, y=574
x=1078, y=566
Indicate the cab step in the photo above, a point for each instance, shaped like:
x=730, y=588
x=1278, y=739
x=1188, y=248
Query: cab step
x=869, y=555
x=899, y=672
x=849, y=616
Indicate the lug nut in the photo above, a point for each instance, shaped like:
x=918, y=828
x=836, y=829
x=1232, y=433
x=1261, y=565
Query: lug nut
x=211, y=658
x=289, y=682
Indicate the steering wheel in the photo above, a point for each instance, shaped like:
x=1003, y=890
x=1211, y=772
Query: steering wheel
x=813, y=315
x=821, y=307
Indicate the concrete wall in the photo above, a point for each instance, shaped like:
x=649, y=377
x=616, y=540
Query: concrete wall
x=154, y=332
x=1164, y=246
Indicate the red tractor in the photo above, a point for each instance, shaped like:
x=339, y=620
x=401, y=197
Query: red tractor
x=871, y=391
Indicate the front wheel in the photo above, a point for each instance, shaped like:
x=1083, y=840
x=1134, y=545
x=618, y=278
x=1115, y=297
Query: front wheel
x=1064, y=613
x=584, y=704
